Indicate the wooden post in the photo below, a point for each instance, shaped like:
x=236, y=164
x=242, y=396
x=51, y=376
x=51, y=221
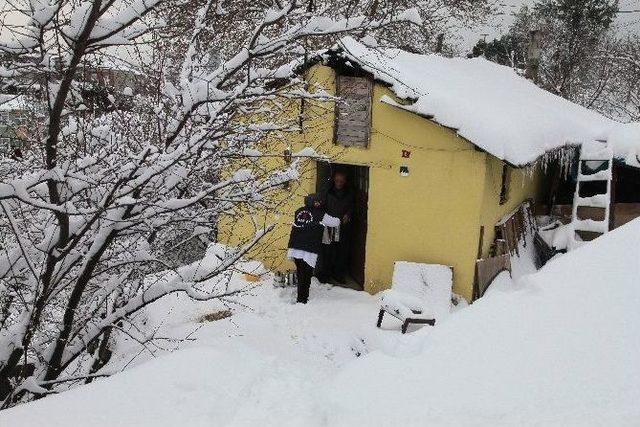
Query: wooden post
x=555, y=185
x=439, y=43
x=534, y=52
x=480, y=242
x=380, y=316
x=476, y=286
x=612, y=195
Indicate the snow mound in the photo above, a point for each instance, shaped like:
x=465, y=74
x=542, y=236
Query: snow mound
x=488, y=104
x=501, y=283
x=418, y=286
x=184, y=385
x=559, y=348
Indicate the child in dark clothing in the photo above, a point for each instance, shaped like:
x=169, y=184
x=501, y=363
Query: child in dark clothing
x=306, y=239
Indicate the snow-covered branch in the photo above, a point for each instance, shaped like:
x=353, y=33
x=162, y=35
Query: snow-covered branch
x=150, y=122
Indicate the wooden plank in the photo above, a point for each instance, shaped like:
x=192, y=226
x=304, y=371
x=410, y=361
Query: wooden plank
x=353, y=113
x=355, y=94
x=513, y=229
x=625, y=212
x=354, y=116
x=353, y=124
x=354, y=108
x=353, y=132
x=480, y=242
x=351, y=99
x=487, y=269
x=590, y=212
x=501, y=247
x=354, y=84
x=350, y=132
x=588, y=236
x=561, y=212
x=514, y=236
x=350, y=137
x=357, y=127
x=543, y=252
x=615, y=176
x=351, y=141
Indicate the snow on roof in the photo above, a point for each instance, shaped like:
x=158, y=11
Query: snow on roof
x=624, y=140
x=488, y=104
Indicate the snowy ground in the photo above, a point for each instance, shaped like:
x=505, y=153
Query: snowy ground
x=260, y=366
x=559, y=347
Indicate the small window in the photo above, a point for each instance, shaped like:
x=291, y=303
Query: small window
x=353, y=111
x=504, y=186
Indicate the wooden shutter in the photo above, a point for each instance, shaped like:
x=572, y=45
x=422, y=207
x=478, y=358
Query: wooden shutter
x=353, y=111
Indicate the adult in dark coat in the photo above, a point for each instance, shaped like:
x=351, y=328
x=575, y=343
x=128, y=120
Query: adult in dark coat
x=339, y=201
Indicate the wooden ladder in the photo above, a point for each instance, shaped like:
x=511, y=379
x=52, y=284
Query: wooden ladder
x=590, y=215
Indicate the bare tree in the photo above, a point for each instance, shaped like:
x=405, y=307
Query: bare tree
x=100, y=185
x=619, y=91
x=585, y=58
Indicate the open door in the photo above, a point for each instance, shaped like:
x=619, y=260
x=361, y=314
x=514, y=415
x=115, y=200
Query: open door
x=357, y=261
x=358, y=181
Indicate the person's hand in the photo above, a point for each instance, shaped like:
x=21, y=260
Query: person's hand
x=346, y=218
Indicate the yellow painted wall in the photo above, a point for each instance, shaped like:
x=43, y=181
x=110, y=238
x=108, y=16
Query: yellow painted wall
x=524, y=184
x=433, y=215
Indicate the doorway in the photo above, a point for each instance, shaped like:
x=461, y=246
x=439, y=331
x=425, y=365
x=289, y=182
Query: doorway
x=358, y=183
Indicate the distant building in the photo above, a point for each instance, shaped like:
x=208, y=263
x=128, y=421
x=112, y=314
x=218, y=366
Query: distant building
x=106, y=86
x=110, y=84
x=16, y=124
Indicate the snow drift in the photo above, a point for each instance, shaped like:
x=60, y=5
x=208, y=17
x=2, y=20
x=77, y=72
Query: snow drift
x=560, y=347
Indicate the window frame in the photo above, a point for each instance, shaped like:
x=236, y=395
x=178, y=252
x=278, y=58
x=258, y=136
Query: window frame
x=369, y=113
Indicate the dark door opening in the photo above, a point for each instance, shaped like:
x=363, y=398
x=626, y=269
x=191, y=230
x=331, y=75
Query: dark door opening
x=627, y=183
x=358, y=182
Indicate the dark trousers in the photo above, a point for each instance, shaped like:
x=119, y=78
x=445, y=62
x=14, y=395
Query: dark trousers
x=334, y=260
x=304, y=273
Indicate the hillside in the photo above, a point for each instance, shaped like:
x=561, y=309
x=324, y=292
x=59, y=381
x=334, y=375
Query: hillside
x=560, y=347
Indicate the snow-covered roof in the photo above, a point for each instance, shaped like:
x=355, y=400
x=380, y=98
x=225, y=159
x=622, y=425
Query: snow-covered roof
x=624, y=140
x=490, y=105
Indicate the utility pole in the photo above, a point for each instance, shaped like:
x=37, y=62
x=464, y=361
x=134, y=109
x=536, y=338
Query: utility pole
x=439, y=43
x=534, y=52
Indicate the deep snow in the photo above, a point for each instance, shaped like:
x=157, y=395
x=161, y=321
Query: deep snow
x=559, y=347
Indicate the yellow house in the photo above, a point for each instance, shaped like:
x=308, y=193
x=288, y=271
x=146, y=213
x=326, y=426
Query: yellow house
x=438, y=150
